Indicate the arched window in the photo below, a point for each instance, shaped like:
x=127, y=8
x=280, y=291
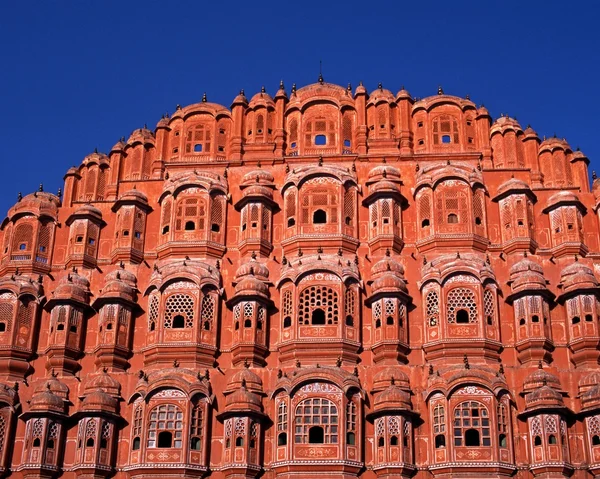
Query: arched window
x=191, y=214
x=537, y=441
x=439, y=426
x=198, y=139
x=282, y=423
x=316, y=422
x=461, y=306
x=394, y=441
x=445, y=130
x=319, y=205
x=196, y=424
x=319, y=217
x=596, y=440
x=471, y=425
x=179, y=311
x=552, y=439
x=165, y=427
x=318, y=298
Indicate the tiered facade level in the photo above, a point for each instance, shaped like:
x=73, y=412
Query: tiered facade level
x=326, y=283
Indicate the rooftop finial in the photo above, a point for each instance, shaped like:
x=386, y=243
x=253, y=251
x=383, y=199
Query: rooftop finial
x=594, y=174
x=380, y=86
x=293, y=88
x=466, y=361
x=321, y=72
x=19, y=196
x=41, y=188
x=204, y=97
x=59, y=193
x=540, y=365
x=320, y=161
x=263, y=89
x=468, y=97
x=281, y=87
x=440, y=90
x=349, y=87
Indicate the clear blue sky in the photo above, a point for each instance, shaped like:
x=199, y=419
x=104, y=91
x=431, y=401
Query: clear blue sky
x=80, y=74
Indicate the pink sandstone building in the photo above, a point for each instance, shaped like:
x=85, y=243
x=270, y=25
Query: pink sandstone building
x=327, y=282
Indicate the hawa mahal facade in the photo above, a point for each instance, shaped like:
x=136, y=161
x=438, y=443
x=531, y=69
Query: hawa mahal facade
x=321, y=283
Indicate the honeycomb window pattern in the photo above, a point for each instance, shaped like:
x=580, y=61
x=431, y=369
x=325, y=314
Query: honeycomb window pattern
x=461, y=299
x=316, y=412
x=179, y=304
x=318, y=297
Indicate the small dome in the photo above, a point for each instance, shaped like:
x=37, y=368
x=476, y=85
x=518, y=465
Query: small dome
x=95, y=157
x=562, y=197
x=254, y=268
x=530, y=132
x=39, y=203
x=589, y=381
x=240, y=99
x=250, y=285
x=360, y=89
x=141, y=135
x=243, y=400
x=554, y=143
x=387, y=264
x=261, y=98
x=513, y=185
x=505, y=123
x=388, y=282
x=47, y=401
x=384, y=171
x=163, y=122
x=392, y=398
x=118, y=146
x=544, y=396
x=72, y=287
x=88, y=211
x=527, y=275
x=258, y=176
x=590, y=399
x=577, y=276
x=99, y=400
x=403, y=94
x=539, y=378
x=384, y=378
x=245, y=376
x=134, y=196
x=380, y=94
x=55, y=386
x=103, y=382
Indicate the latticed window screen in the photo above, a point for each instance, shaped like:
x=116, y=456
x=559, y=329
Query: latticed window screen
x=23, y=239
x=318, y=297
x=196, y=424
x=432, y=307
x=347, y=131
x=461, y=299
x=320, y=199
x=282, y=417
x=166, y=213
x=101, y=185
x=198, y=139
x=165, y=417
x=179, y=304
x=137, y=421
x=3, y=429
x=439, y=420
x=191, y=214
x=489, y=305
x=349, y=207
x=316, y=412
x=350, y=301
x=593, y=425
x=425, y=208
x=290, y=204
x=351, y=416
x=44, y=236
x=7, y=308
x=153, y=309
x=445, y=130
x=208, y=310
x=502, y=419
x=216, y=215
x=90, y=183
x=471, y=415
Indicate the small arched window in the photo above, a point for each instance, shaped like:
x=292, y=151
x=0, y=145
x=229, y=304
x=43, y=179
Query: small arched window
x=440, y=441
x=381, y=442
x=394, y=441
x=596, y=440
x=282, y=439
x=318, y=317
x=165, y=439
x=239, y=441
x=472, y=438
x=462, y=316
x=452, y=218
x=537, y=441
x=136, y=443
x=552, y=439
x=319, y=217
x=316, y=435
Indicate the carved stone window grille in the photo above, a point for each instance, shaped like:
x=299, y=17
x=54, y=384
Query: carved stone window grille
x=318, y=297
x=179, y=304
x=316, y=412
x=461, y=299
x=169, y=418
